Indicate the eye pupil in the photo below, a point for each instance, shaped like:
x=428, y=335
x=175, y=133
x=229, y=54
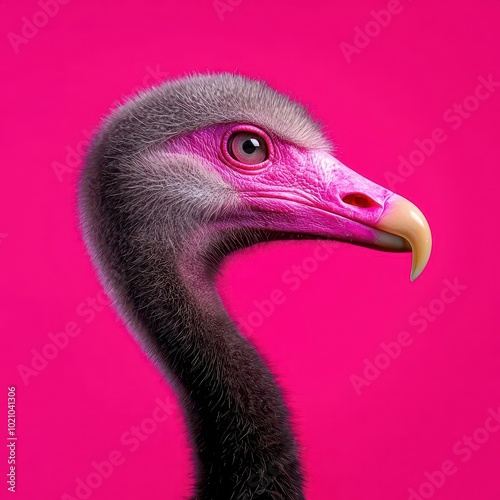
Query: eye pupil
x=250, y=145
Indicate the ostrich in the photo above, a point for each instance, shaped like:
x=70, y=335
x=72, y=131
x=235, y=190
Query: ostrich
x=175, y=180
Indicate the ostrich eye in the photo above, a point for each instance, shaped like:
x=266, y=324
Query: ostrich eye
x=248, y=148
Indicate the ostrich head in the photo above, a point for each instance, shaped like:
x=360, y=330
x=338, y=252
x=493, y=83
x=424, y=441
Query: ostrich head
x=176, y=179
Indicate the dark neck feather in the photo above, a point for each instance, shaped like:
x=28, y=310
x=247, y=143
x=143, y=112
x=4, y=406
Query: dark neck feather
x=239, y=425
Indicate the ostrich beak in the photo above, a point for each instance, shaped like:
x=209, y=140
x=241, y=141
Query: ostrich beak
x=326, y=199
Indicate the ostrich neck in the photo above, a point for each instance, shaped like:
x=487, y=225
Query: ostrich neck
x=238, y=422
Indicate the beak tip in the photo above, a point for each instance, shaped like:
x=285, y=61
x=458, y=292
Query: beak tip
x=414, y=275
x=406, y=220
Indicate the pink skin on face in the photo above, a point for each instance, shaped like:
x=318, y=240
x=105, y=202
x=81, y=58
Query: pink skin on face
x=295, y=189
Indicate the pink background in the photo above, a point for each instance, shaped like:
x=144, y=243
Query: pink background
x=81, y=406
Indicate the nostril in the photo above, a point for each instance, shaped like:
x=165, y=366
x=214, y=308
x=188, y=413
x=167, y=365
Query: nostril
x=359, y=200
